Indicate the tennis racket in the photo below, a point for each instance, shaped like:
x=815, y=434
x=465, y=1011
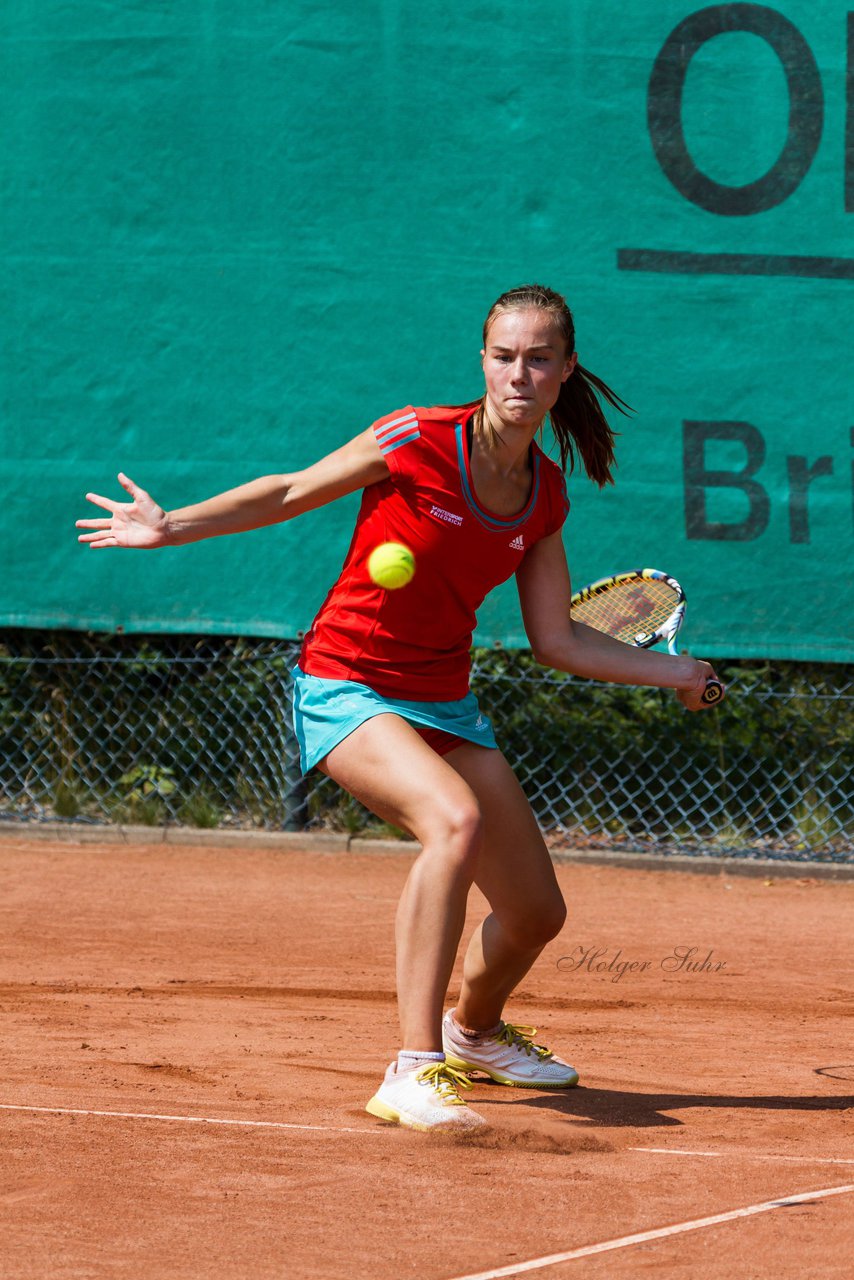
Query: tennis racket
x=642, y=608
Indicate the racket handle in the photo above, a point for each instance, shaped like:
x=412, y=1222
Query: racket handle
x=713, y=692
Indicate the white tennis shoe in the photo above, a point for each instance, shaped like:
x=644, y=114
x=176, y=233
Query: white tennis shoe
x=508, y=1055
x=425, y=1097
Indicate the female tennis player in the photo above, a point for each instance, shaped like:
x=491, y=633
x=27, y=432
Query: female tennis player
x=381, y=693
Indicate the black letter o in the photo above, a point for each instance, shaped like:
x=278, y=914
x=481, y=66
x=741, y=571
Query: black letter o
x=806, y=108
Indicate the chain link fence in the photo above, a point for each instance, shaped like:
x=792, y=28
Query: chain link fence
x=183, y=729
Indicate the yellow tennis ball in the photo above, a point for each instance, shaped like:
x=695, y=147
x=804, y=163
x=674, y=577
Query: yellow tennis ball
x=391, y=565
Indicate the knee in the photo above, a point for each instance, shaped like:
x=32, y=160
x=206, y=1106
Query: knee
x=554, y=919
x=458, y=833
x=538, y=925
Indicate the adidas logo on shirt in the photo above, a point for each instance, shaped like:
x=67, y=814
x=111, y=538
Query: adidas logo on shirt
x=518, y=543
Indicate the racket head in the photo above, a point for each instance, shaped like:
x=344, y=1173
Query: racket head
x=642, y=607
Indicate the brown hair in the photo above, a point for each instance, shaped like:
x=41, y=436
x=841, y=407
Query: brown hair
x=577, y=419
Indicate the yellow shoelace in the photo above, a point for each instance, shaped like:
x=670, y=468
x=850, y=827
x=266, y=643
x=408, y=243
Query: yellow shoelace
x=521, y=1038
x=447, y=1082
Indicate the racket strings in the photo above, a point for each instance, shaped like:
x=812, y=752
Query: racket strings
x=628, y=610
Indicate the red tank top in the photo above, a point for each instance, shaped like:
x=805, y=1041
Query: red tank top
x=415, y=642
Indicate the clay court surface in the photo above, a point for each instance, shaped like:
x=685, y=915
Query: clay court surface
x=190, y=1035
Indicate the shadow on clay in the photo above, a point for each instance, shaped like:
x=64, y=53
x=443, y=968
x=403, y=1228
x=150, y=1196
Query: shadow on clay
x=611, y=1107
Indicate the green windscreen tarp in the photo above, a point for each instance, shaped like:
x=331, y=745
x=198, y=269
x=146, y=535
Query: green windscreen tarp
x=236, y=234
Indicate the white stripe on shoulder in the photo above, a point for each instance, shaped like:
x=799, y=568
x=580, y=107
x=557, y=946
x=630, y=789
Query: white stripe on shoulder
x=390, y=445
x=390, y=428
x=398, y=432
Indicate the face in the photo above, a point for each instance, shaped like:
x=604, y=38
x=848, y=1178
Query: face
x=525, y=361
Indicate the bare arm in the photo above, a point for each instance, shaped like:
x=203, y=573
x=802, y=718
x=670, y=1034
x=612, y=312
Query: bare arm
x=141, y=523
x=558, y=642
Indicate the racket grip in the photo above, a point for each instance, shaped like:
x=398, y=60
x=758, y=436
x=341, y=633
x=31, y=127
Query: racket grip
x=713, y=692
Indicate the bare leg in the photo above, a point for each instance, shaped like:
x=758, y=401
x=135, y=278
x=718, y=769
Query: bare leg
x=389, y=767
x=516, y=875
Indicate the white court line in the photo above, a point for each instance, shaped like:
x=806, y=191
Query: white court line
x=148, y=1115
x=660, y=1233
x=743, y=1155
x=321, y=1128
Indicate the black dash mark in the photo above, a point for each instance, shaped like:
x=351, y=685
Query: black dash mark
x=677, y=262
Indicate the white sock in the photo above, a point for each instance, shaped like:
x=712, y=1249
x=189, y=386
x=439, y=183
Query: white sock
x=409, y=1058
x=476, y=1035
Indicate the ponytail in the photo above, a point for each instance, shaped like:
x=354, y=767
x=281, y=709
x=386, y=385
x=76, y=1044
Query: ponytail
x=578, y=421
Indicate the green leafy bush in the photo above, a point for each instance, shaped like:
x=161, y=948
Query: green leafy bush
x=197, y=730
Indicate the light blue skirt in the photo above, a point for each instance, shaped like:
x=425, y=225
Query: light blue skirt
x=327, y=711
